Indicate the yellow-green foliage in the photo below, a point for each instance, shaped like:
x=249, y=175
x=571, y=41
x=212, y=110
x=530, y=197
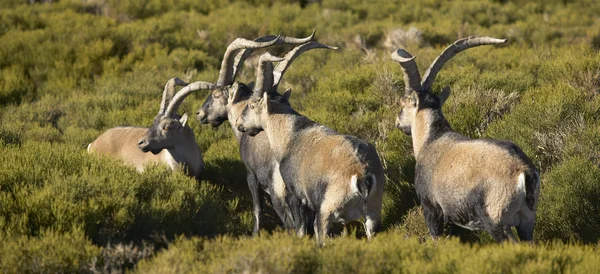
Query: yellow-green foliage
x=71, y=69
x=389, y=252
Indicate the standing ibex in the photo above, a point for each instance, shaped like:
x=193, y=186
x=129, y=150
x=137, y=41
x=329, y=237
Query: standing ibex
x=473, y=183
x=169, y=139
x=227, y=103
x=338, y=177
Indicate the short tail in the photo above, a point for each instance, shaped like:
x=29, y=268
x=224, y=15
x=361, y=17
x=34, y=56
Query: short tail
x=532, y=186
x=89, y=147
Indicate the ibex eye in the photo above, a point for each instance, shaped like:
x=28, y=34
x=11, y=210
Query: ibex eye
x=251, y=106
x=166, y=127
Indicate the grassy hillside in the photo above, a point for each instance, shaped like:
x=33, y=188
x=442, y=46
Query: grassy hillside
x=71, y=69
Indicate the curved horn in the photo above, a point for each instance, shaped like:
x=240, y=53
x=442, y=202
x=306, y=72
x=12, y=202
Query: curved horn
x=264, y=73
x=169, y=92
x=184, y=92
x=289, y=58
x=226, y=71
x=412, y=79
x=243, y=55
x=450, y=51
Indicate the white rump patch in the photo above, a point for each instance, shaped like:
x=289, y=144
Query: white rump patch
x=353, y=184
x=521, y=184
x=89, y=146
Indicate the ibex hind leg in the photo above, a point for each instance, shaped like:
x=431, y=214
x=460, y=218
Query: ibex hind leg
x=322, y=221
x=525, y=229
x=498, y=233
x=435, y=221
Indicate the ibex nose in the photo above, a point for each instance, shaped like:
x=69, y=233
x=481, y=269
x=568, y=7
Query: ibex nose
x=142, y=144
x=241, y=128
x=201, y=116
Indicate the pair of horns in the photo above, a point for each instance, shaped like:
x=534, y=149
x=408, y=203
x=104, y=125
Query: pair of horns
x=269, y=77
x=412, y=79
x=232, y=62
x=171, y=101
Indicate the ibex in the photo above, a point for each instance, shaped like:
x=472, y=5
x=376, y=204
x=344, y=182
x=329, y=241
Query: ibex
x=473, y=183
x=169, y=139
x=227, y=103
x=338, y=178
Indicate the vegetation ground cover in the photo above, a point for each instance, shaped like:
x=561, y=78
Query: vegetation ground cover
x=71, y=69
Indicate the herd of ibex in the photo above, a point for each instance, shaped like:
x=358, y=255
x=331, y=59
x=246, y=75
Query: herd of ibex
x=316, y=176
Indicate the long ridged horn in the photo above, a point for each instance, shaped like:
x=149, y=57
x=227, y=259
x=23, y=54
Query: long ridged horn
x=169, y=92
x=226, y=71
x=264, y=73
x=290, y=56
x=243, y=54
x=184, y=92
x=412, y=79
x=450, y=51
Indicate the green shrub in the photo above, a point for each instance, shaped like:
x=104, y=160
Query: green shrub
x=388, y=252
x=569, y=193
x=50, y=252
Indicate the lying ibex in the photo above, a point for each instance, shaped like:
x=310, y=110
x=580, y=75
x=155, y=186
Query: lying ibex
x=477, y=184
x=262, y=172
x=169, y=139
x=338, y=177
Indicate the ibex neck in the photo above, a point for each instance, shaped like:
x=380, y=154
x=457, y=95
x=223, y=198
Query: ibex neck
x=236, y=132
x=280, y=129
x=233, y=113
x=428, y=125
x=188, y=154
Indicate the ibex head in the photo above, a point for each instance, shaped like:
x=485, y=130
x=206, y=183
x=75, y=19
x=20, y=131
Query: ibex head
x=214, y=111
x=417, y=93
x=168, y=128
x=265, y=99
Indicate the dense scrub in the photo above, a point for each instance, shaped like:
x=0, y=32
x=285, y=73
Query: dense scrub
x=388, y=253
x=71, y=69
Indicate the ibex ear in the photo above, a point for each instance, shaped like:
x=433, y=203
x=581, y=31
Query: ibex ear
x=444, y=95
x=183, y=119
x=287, y=94
x=414, y=99
x=234, y=94
x=265, y=102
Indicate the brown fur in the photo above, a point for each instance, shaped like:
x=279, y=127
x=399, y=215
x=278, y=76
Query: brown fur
x=122, y=143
